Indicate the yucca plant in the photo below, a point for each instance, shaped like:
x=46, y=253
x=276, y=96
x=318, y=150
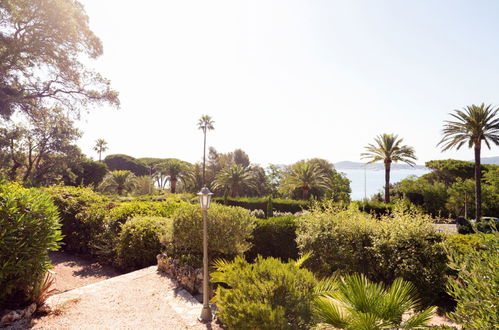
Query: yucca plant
x=354, y=302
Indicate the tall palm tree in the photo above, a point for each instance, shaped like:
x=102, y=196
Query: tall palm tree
x=100, y=147
x=234, y=179
x=118, y=181
x=175, y=171
x=205, y=123
x=353, y=302
x=472, y=124
x=305, y=176
x=389, y=148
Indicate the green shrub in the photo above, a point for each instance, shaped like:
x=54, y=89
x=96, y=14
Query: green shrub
x=466, y=244
x=268, y=294
x=139, y=241
x=274, y=237
x=229, y=231
x=403, y=244
x=83, y=216
x=127, y=210
x=29, y=226
x=376, y=208
x=261, y=203
x=477, y=284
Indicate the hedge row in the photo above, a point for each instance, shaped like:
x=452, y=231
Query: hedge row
x=280, y=205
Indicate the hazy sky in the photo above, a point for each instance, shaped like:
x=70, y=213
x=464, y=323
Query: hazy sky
x=288, y=80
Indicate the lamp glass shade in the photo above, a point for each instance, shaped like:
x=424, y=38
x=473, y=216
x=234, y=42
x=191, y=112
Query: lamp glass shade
x=205, y=198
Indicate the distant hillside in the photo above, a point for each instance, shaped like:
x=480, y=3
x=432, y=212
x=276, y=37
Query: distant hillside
x=490, y=160
x=348, y=165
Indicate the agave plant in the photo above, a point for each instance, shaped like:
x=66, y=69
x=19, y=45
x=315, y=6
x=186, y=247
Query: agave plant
x=353, y=302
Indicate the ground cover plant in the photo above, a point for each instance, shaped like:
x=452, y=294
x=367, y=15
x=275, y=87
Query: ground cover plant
x=29, y=227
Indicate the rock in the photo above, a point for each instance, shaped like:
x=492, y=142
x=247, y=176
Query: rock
x=189, y=278
x=29, y=311
x=10, y=317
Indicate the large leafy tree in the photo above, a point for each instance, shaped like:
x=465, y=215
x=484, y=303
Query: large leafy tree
x=388, y=148
x=43, y=47
x=354, y=302
x=234, y=179
x=304, y=176
x=100, y=147
x=472, y=125
x=205, y=123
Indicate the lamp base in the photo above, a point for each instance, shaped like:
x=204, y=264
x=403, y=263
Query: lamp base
x=205, y=315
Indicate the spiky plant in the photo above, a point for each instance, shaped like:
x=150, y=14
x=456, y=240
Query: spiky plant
x=304, y=176
x=388, y=148
x=356, y=303
x=118, y=181
x=234, y=179
x=472, y=125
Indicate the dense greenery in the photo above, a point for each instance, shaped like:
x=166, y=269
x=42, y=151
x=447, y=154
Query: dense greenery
x=403, y=244
x=261, y=203
x=139, y=241
x=267, y=294
x=29, y=227
x=357, y=303
x=274, y=237
x=229, y=229
x=476, y=285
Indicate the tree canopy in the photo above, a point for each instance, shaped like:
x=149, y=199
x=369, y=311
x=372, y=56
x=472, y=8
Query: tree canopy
x=43, y=46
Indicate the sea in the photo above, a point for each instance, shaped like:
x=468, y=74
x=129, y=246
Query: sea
x=369, y=182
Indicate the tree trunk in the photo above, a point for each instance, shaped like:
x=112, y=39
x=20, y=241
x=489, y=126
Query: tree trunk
x=478, y=181
x=305, y=193
x=173, y=185
x=388, y=164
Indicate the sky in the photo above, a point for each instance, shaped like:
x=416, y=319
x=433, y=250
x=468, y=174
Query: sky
x=290, y=80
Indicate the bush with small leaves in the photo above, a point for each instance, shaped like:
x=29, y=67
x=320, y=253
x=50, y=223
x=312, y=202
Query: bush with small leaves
x=139, y=241
x=229, y=231
x=267, y=294
x=29, y=227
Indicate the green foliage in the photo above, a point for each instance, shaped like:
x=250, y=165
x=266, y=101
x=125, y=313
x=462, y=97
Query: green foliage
x=29, y=226
x=118, y=182
x=372, y=207
x=44, y=48
x=229, y=231
x=403, y=244
x=477, y=284
x=357, y=303
x=83, y=214
x=274, y=237
x=430, y=197
x=139, y=241
x=270, y=208
x=268, y=294
x=128, y=210
x=120, y=162
x=260, y=203
x=466, y=244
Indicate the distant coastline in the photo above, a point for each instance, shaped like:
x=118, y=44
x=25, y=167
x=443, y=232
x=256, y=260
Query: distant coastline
x=348, y=165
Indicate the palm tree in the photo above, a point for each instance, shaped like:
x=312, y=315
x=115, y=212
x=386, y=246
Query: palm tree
x=205, y=123
x=353, y=302
x=234, y=179
x=100, y=147
x=472, y=125
x=388, y=148
x=305, y=176
x=173, y=171
x=118, y=181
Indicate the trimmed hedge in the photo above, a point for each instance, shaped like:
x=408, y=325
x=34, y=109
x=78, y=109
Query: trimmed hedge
x=376, y=208
x=280, y=205
x=139, y=241
x=274, y=237
x=29, y=227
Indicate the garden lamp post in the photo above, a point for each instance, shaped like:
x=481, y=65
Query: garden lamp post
x=205, y=199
